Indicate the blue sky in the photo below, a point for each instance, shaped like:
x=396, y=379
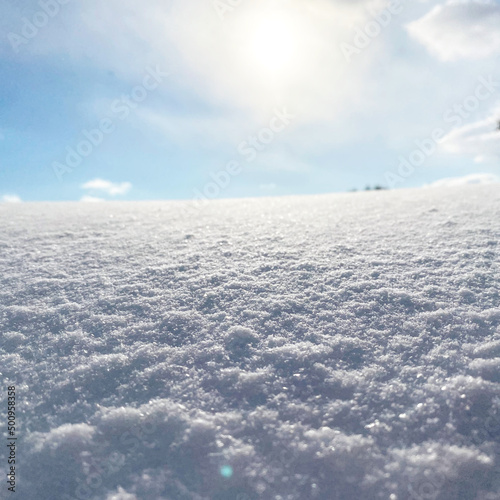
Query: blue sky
x=155, y=99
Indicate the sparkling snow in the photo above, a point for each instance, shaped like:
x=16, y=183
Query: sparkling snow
x=329, y=347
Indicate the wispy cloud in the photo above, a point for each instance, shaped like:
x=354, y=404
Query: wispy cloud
x=460, y=30
x=466, y=179
x=108, y=187
x=10, y=198
x=480, y=139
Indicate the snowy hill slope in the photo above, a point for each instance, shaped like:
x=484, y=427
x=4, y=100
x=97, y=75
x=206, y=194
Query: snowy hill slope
x=330, y=347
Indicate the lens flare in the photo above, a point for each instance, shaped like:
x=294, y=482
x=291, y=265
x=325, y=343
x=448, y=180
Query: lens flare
x=226, y=471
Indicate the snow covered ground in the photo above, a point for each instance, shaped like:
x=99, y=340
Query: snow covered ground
x=330, y=347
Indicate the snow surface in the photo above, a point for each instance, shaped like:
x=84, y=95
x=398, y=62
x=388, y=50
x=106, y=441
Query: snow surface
x=329, y=347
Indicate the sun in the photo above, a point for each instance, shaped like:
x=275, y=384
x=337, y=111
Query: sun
x=273, y=44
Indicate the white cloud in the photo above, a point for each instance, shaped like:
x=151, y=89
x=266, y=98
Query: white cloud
x=456, y=30
x=480, y=139
x=91, y=199
x=108, y=187
x=11, y=198
x=207, y=55
x=466, y=179
x=206, y=58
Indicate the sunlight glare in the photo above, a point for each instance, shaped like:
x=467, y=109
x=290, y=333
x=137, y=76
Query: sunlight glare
x=273, y=45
